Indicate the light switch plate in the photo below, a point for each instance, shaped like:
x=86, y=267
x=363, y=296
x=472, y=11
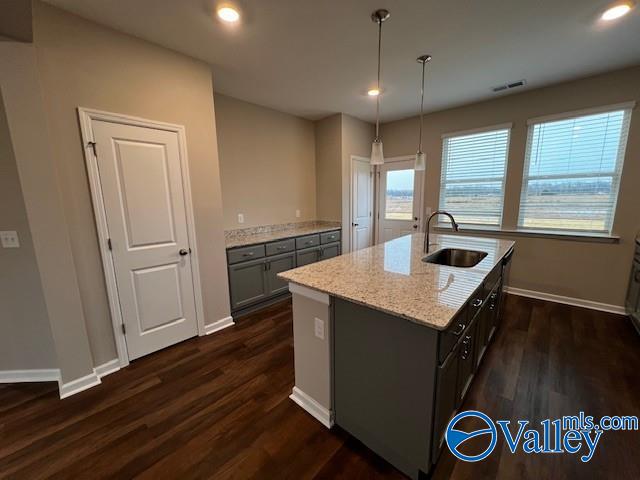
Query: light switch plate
x=297, y=213
x=240, y=218
x=9, y=239
x=319, y=328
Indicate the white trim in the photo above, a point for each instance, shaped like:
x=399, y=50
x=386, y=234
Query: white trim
x=78, y=385
x=298, y=289
x=585, y=111
x=500, y=126
x=356, y=158
x=576, y=302
x=400, y=158
x=107, y=368
x=86, y=116
x=312, y=407
x=218, y=325
x=32, y=375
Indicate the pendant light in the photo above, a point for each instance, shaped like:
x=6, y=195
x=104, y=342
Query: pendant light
x=377, y=157
x=421, y=158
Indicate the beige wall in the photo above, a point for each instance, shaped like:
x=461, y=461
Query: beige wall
x=267, y=164
x=83, y=64
x=329, y=168
x=592, y=271
x=25, y=335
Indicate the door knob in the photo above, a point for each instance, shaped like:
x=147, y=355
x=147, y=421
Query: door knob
x=355, y=224
x=184, y=252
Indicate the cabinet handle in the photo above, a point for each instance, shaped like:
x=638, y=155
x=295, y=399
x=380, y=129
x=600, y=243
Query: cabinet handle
x=477, y=302
x=457, y=333
x=249, y=254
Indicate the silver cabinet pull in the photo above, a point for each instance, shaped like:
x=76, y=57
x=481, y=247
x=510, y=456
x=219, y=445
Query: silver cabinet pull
x=477, y=302
x=248, y=254
x=461, y=326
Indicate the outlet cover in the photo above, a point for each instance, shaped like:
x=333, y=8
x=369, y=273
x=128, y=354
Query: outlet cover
x=9, y=239
x=319, y=328
x=241, y=218
x=297, y=213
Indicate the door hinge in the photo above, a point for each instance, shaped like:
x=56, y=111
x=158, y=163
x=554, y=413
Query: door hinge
x=124, y=329
x=109, y=244
x=93, y=147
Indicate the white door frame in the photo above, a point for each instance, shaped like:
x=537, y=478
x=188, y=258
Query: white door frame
x=373, y=196
x=377, y=194
x=86, y=115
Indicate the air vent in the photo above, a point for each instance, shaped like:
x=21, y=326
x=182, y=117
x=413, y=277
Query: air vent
x=508, y=86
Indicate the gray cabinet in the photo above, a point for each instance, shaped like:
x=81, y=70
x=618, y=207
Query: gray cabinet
x=247, y=283
x=253, y=270
x=275, y=265
x=307, y=256
x=466, y=362
x=446, y=397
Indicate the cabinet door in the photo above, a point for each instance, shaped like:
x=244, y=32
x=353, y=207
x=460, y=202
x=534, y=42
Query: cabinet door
x=307, y=256
x=466, y=363
x=446, y=398
x=275, y=265
x=247, y=283
x=633, y=295
x=494, y=308
x=329, y=251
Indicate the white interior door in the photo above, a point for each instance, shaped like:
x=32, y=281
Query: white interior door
x=399, y=199
x=361, y=204
x=141, y=181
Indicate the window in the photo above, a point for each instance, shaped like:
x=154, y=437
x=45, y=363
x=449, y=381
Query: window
x=572, y=171
x=399, y=195
x=473, y=172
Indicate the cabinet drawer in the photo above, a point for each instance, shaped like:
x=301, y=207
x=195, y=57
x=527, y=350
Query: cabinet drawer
x=476, y=302
x=329, y=251
x=491, y=280
x=307, y=256
x=308, y=241
x=283, y=246
x=329, y=237
x=245, y=253
x=448, y=338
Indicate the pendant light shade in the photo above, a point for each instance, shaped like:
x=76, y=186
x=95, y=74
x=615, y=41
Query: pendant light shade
x=377, y=157
x=421, y=158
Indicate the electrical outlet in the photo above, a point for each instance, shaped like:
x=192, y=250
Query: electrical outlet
x=297, y=213
x=241, y=218
x=9, y=239
x=319, y=328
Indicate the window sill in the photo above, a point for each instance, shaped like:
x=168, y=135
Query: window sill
x=573, y=236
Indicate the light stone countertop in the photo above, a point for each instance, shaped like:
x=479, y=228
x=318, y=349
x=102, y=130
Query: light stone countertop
x=271, y=233
x=391, y=277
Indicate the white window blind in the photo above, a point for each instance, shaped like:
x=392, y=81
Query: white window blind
x=473, y=171
x=572, y=172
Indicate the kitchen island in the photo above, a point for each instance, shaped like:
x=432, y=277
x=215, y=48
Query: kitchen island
x=387, y=345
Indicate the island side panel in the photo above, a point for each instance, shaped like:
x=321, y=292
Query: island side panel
x=384, y=383
x=312, y=352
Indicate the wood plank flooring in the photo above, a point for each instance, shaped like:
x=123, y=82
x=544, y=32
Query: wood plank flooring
x=218, y=407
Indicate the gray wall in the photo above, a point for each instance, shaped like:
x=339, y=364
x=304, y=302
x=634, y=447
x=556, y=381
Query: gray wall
x=591, y=271
x=25, y=336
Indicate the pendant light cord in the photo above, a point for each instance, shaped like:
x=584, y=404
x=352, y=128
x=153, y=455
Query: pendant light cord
x=421, y=106
x=379, y=92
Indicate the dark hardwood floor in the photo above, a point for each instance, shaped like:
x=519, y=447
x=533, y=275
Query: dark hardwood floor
x=218, y=407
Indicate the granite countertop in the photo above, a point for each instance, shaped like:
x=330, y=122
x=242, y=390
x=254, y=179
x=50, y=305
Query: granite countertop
x=391, y=277
x=269, y=233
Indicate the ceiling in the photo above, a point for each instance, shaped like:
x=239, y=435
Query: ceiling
x=314, y=58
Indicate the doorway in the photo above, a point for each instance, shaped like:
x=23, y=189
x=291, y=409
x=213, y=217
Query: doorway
x=399, y=196
x=139, y=180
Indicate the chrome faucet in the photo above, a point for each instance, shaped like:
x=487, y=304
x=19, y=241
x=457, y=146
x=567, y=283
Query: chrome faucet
x=454, y=225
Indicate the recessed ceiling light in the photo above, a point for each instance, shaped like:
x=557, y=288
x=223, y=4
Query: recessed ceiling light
x=616, y=11
x=228, y=14
x=374, y=92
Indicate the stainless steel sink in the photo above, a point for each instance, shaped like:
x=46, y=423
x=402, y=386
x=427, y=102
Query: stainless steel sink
x=455, y=257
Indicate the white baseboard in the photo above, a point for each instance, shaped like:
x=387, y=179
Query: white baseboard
x=107, y=368
x=22, y=376
x=316, y=410
x=576, y=302
x=218, y=325
x=79, y=385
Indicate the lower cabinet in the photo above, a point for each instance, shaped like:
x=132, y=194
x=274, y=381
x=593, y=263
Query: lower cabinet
x=446, y=397
x=275, y=265
x=307, y=256
x=466, y=363
x=329, y=251
x=247, y=283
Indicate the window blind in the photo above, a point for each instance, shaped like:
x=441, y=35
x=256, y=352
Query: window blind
x=473, y=171
x=572, y=172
